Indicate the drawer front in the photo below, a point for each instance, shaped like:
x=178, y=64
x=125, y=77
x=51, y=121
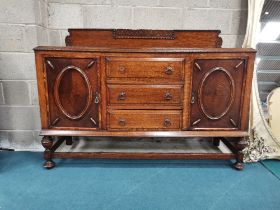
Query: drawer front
x=145, y=94
x=159, y=68
x=148, y=119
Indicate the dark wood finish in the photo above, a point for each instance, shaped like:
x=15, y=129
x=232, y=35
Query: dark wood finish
x=73, y=92
x=240, y=145
x=217, y=89
x=47, y=143
x=139, y=83
x=143, y=34
x=143, y=38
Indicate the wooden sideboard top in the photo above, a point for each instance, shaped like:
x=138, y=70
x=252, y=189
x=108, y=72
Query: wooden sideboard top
x=144, y=50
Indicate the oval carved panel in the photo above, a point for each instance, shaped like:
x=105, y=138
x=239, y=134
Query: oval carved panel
x=77, y=91
x=216, y=93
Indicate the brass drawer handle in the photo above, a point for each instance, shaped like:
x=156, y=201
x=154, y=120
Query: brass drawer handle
x=121, y=96
x=122, y=122
x=167, y=122
x=168, y=96
x=122, y=69
x=169, y=70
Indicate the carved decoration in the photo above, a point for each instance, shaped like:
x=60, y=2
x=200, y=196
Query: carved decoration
x=47, y=142
x=56, y=92
x=55, y=121
x=198, y=66
x=201, y=88
x=93, y=121
x=233, y=122
x=241, y=62
x=91, y=63
x=196, y=122
x=50, y=64
x=67, y=40
x=219, y=42
x=256, y=149
x=143, y=34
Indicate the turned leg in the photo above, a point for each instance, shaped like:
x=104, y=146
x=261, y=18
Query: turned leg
x=47, y=143
x=240, y=145
x=216, y=141
x=69, y=140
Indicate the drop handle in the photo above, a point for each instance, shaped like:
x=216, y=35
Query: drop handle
x=122, y=122
x=96, y=98
x=122, y=95
x=169, y=70
x=167, y=96
x=167, y=122
x=193, y=98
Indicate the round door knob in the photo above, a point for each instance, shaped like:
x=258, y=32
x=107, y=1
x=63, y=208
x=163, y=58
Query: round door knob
x=169, y=70
x=167, y=123
x=122, y=69
x=122, y=122
x=168, y=96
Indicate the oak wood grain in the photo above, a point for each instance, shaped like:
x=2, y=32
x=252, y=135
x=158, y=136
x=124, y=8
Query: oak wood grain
x=137, y=94
x=144, y=119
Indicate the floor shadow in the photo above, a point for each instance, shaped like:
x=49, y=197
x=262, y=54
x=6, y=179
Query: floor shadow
x=113, y=163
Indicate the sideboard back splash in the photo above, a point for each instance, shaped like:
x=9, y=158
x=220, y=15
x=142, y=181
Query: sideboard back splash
x=144, y=38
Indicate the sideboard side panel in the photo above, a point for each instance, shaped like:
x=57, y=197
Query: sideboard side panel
x=42, y=92
x=246, y=99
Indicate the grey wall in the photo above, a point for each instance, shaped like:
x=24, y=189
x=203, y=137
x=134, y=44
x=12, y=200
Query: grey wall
x=25, y=24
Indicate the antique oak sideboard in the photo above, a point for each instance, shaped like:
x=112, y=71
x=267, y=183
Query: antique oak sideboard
x=144, y=83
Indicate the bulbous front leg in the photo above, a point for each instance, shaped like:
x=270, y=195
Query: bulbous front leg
x=47, y=143
x=240, y=145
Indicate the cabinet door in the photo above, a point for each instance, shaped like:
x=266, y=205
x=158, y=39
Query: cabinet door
x=217, y=91
x=73, y=92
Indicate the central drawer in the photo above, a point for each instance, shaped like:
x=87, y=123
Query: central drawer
x=159, y=68
x=145, y=94
x=144, y=119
